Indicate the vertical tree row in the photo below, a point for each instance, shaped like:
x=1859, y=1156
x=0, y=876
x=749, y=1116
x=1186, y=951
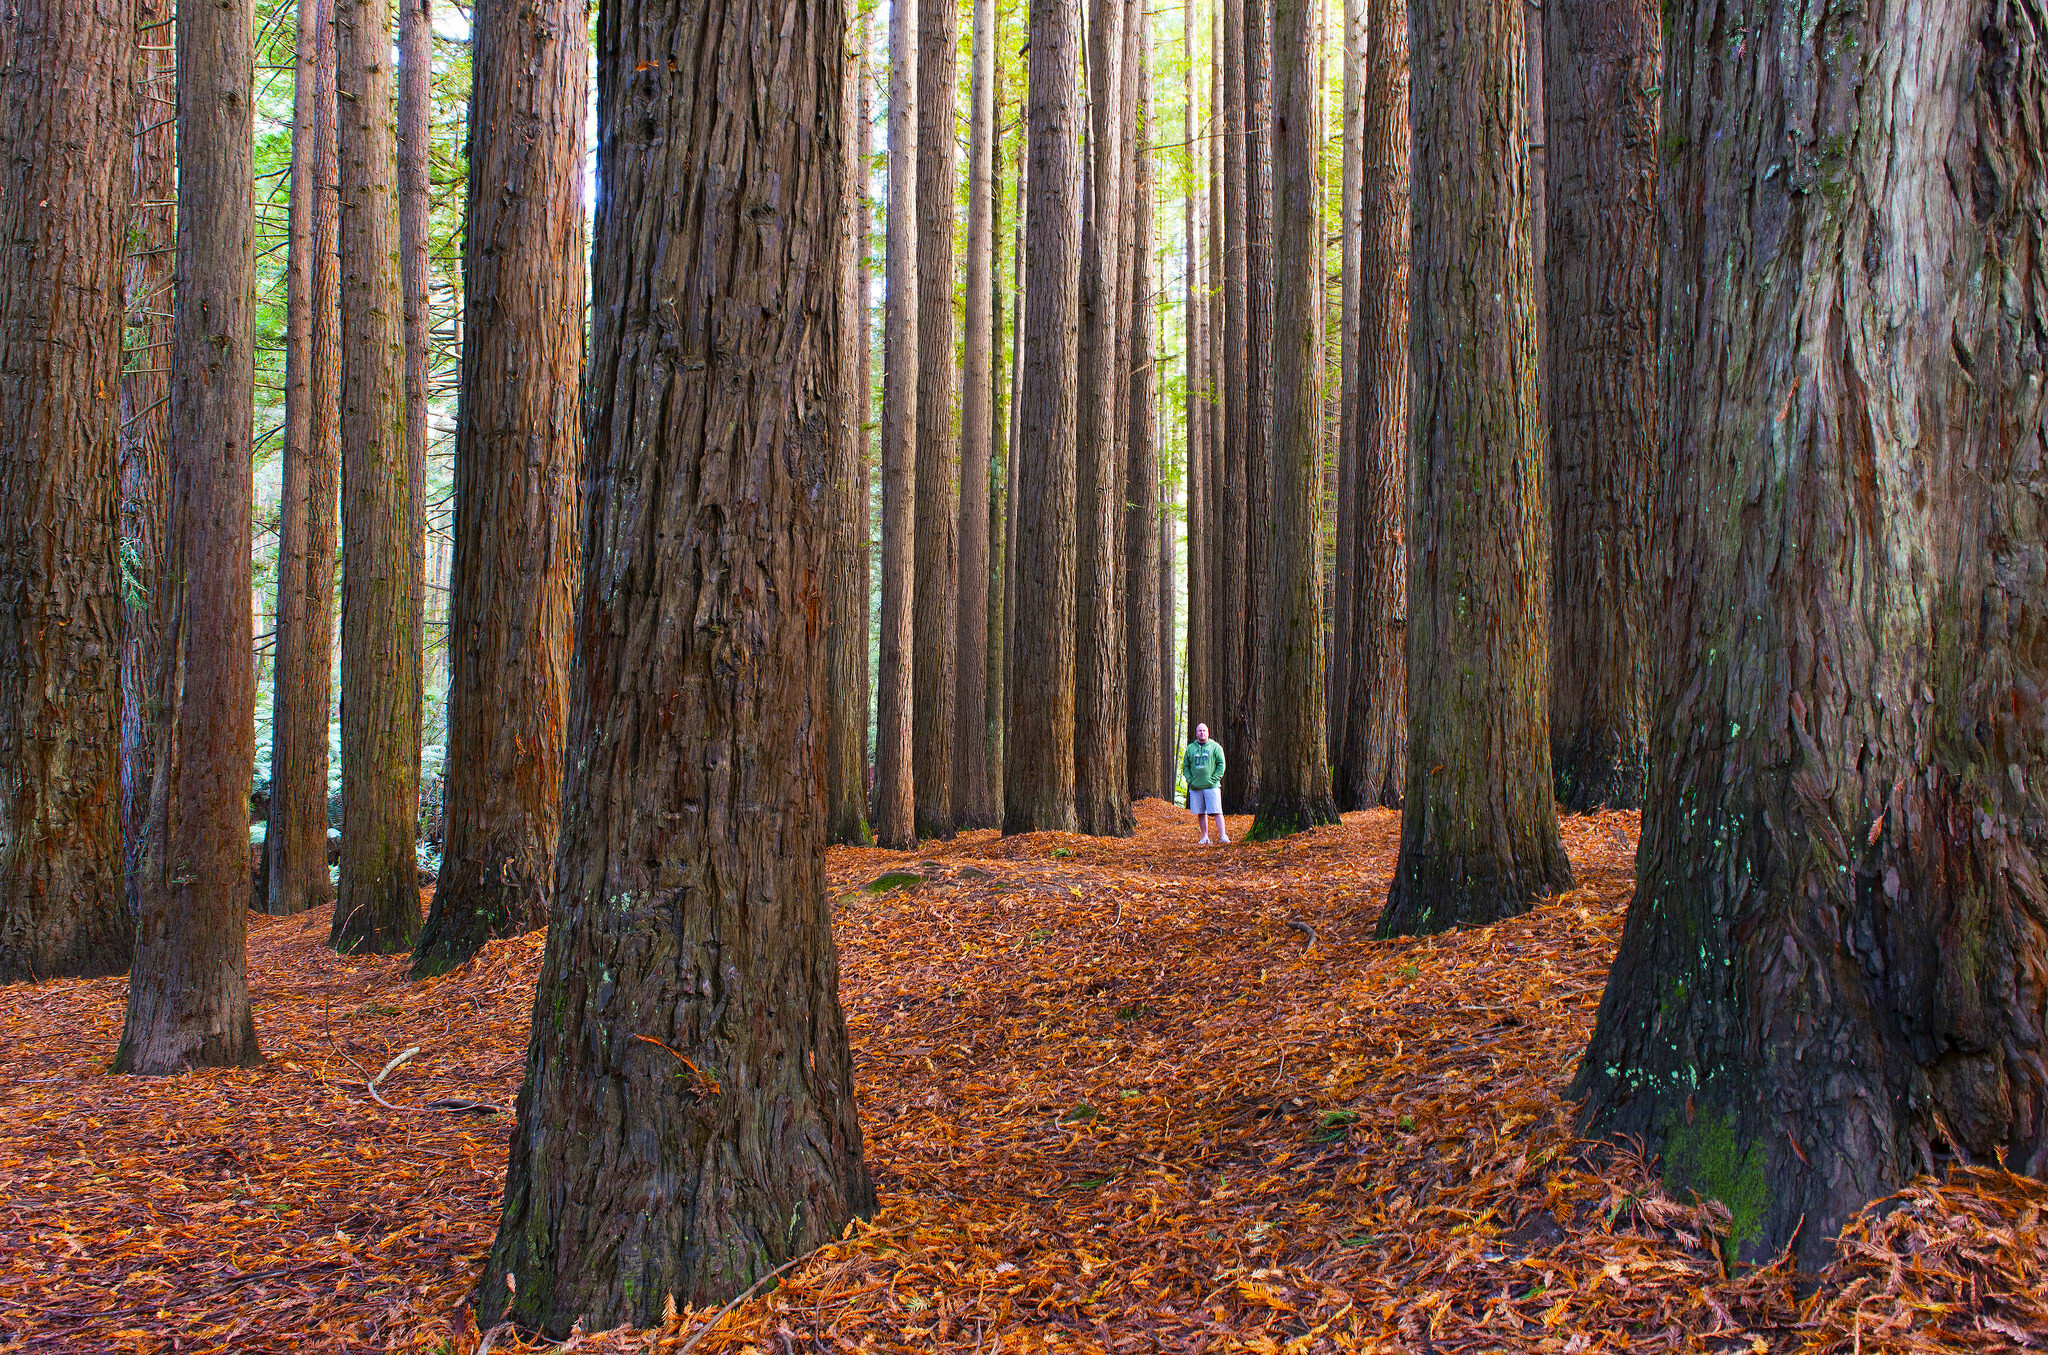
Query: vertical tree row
x=64, y=207
x=294, y=876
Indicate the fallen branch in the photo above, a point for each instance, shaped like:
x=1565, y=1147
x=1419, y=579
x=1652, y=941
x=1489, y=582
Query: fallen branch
x=736, y=1301
x=1305, y=930
x=372, y=1083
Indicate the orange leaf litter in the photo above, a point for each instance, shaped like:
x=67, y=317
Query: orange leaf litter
x=1113, y=1100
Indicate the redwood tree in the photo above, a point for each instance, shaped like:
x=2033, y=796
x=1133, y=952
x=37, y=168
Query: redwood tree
x=846, y=547
x=1478, y=827
x=1226, y=624
x=1373, y=766
x=895, y=794
x=1294, y=766
x=935, y=617
x=294, y=873
x=188, y=996
x=1832, y=974
x=1143, y=718
x=972, y=806
x=518, y=452
x=1246, y=721
x=379, y=907
x=687, y=1119
x=1603, y=58
x=66, y=80
x=415, y=113
x=1038, y=771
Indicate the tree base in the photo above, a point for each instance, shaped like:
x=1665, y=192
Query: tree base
x=163, y=1038
x=464, y=918
x=1597, y=771
x=1110, y=819
x=850, y=832
x=386, y=925
x=1439, y=892
x=1295, y=814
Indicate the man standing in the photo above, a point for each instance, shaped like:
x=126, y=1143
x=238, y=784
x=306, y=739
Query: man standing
x=1202, y=765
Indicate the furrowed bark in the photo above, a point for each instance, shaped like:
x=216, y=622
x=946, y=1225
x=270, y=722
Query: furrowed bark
x=379, y=906
x=1228, y=598
x=846, y=601
x=1345, y=604
x=415, y=100
x=1374, y=767
x=188, y=997
x=518, y=457
x=1246, y=740
x=1294, y=770
x=1479, y=835
x=1039, y=769
x=1831, y=978
x=1145, y=718
x=1601, y=178
x=1101, y=783
x=64, y=203
x=999, y=462
x=687, y=1119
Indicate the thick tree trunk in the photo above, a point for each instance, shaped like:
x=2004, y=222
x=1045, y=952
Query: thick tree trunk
x=935, y=624
x=379, y=907
x=895, y=799
x=1294, y=771
x=864, y=515
x=1245, y=741
x=1101, y=784
x=1145, y=718
x=1602, y=389
x=294, y=876
x=518, y=455
x=1166, y=748
x=144, y=441
x=1478, y=826
x=846, y=602
x=1213, y=476
x=971, y=804
x=687, y=1121
x=1227, y=597
x=415, y=110
x=1832, y=972
x=65, y=96
x=188, y=996
x=1013, y=470
x=1374, y=766
x=1039, y=771
x=1344, y=605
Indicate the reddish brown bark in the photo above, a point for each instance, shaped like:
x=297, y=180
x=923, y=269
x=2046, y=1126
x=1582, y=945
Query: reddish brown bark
x=64, y=128
x=935, y=616
x=846, y=599
x=687, y=1120
x=518, y=451
x=1145, y=718
x=971, y=804
x=895, y=789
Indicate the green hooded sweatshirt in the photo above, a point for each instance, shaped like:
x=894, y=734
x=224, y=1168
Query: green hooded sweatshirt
x=1202, y=765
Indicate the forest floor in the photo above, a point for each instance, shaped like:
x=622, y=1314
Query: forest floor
x=1117, y=1096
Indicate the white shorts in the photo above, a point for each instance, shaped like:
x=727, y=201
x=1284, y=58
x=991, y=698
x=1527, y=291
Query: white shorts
x=1203, y=802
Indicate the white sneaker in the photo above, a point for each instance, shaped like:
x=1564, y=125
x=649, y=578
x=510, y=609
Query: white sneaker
x=1226, y=839
x=1203, y=843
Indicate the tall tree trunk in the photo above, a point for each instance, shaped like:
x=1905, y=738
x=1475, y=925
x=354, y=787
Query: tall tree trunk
x=1374, y=766
x=1831, y=976
x=1013, y=471
x=518, y=457
x=846, y=604
x=415, y=112
x=1227, y=597
x=865, y=524
x=1165, y=747
x=1198, y=396
x=379, y=907
x=971, y=804
x=1215, y=314
x=1241, y=789
x=295, y=841
x=1039, y=772
x=1344, y=605
x=1478, y=825
x=935, y=624
x=1145, y=716
x=999, y=460
x=144, y=441
x=1101, y=784
x=1294, y=764
x=65, y=96
x=1602, y=390
x=687, y=1121
x=188, y=996
x=895, y=798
